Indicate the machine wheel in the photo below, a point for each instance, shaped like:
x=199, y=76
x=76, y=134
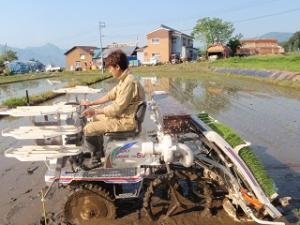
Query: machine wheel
x=157, y=200
x=89, y=205
x=172, y=194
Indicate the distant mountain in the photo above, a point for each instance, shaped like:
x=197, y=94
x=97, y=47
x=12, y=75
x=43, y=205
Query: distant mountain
x=280, y=36
x=47, y=54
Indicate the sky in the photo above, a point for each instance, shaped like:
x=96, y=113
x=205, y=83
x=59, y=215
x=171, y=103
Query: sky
x=67, y=23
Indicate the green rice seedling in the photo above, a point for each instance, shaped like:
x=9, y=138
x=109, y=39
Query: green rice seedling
x=246, y=153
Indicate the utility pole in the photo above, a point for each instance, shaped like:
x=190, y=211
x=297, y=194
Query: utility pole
x=101, y=26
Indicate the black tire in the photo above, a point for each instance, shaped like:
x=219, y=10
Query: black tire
x=158, y=188
x=168, y=194
x=88, y=205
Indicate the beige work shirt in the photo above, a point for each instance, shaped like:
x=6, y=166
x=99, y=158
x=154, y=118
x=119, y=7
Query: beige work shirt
x=126, y=97
x=120, y=115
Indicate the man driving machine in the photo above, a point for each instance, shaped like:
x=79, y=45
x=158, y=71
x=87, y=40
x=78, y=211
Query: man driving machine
x=125, y=98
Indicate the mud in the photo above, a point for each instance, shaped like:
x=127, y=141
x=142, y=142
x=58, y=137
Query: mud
x=265, y=115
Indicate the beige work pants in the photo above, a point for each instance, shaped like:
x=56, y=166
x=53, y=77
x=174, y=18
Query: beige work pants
x=102, y=124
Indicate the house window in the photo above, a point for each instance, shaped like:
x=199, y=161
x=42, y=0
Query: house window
x=174, y=40
x=77, y=64
x=155, y=40
x=184, y=42
x=82, y=56
x=156, y=56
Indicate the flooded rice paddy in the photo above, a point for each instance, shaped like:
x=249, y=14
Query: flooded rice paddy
x=34, y=87
x=266, y=115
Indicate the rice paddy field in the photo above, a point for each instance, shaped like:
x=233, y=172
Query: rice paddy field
x=265, y=114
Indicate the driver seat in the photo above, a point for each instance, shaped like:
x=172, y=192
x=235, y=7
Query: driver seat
x=139, y=117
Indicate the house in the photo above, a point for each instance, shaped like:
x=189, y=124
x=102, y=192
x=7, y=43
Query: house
x=219, y=50
x=164, y=43
x=80, y=58
x=259, y=47
x=140, y=54
x=97, y=63
x=129, y=50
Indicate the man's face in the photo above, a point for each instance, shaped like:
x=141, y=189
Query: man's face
x=115, y=71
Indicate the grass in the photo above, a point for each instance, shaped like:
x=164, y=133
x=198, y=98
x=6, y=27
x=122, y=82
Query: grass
x=290, y=62
x=34, y=100
x=45, y=96
x=24, y=77
x=169, y=69
x=246, y=153
x=57, y=75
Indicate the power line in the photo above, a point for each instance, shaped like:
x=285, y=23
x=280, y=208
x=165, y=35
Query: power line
x=135, y=24
x=251, y=4
x=237, y=21
x=123, y=25
x=268, y=15
x=175, y=19
x=258, y=17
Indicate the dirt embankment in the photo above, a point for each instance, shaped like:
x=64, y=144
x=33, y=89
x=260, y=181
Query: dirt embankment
x=275, y=75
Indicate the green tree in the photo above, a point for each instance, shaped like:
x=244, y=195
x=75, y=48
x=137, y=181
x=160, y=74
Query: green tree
x=2, y=64
x=234, y=43
x=213, y=30
x=293, y=44
x=7, y=56
x=10, y=55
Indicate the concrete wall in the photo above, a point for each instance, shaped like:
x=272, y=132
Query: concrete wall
x=140, y=56
x=163, y=48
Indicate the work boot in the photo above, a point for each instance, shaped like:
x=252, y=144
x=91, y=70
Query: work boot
x=95, y=145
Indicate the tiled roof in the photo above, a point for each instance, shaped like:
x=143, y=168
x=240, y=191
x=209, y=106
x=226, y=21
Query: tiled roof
x=171, y=29
x=128, y=50
x=260, y=40
x=89, y=49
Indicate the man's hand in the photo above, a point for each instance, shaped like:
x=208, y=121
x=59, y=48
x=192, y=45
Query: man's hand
x=88, y=112
x=85, y=103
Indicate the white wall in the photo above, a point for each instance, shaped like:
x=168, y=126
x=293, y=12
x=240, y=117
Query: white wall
x=140, y=56
x=178, y=46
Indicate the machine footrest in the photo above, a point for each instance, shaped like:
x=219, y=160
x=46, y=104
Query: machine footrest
x=42, y=153
x=41, y=132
